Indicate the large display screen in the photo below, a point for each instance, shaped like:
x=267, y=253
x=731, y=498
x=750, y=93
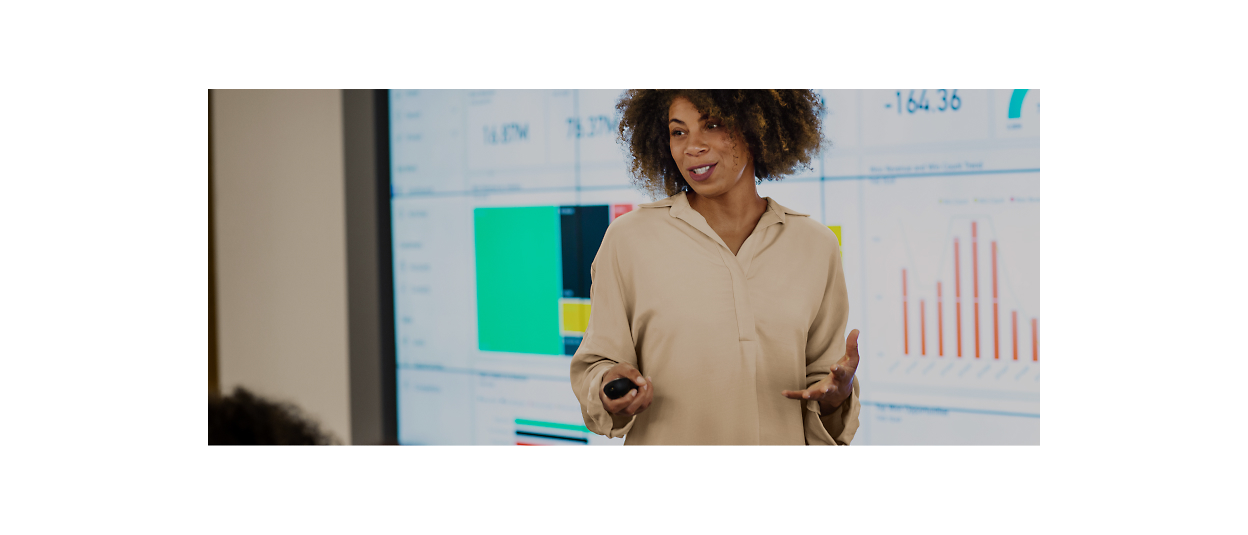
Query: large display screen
x=499, y=200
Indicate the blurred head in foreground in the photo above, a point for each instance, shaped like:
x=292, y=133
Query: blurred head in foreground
x=247, y=419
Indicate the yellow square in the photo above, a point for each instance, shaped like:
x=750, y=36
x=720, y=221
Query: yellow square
x=575, y=317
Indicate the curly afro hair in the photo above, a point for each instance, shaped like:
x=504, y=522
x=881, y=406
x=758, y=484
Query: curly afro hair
x=782, y=127
x=247, y=419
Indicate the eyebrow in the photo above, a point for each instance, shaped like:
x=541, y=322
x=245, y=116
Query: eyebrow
x=704, y=117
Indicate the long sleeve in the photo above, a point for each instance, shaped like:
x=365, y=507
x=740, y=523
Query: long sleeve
x=608, y=341
x=842, y=423
x=720, y=334
x=825, y=345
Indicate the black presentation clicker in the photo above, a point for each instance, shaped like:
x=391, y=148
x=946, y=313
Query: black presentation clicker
x=618, y=387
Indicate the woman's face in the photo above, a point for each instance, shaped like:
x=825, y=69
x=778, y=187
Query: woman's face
x=711, y=158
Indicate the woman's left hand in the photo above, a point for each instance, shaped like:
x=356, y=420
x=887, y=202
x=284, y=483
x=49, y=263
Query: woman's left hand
x=834, y=389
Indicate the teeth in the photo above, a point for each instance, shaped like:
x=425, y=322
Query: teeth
x=701, y=170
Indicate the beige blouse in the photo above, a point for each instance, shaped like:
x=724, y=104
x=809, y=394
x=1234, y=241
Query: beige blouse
x=720, y=335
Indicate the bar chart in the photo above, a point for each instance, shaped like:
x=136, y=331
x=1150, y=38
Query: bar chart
x=952, y=292
x=957, y=309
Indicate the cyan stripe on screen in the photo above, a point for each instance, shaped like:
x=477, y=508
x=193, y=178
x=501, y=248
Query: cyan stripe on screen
x=552, y=425
x=1016, y=103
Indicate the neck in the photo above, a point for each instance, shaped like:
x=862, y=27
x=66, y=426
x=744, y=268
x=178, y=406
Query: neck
x=739, y=206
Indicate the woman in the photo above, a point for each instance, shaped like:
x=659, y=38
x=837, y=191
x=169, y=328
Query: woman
x=726, y=309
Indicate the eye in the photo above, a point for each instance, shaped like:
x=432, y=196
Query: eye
x=712, y=125
x=677, y=133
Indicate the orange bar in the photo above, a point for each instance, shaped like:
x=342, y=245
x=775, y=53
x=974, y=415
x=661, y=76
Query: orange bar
x=940, y=321
x=1014, y=323
x=905, y=313
x=957, y=292
x=975, y=281
x=1035, y=343
x=922, y=328
x=996, y=333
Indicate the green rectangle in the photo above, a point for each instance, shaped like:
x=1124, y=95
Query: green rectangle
x=552, y=425
x=519, y=279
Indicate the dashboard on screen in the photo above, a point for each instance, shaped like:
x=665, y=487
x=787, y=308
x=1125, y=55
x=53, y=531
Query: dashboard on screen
x=500, y=199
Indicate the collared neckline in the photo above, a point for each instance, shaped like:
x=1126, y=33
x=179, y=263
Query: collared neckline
x=680, y=204
x=680, y=209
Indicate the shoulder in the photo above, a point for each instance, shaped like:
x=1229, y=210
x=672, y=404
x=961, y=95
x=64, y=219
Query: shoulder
x=645, y=219
x=804, y=228
x=659, y=203
x=625, y=234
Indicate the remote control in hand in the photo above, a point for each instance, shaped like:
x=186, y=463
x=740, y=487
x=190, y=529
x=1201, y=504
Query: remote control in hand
x=618, y=387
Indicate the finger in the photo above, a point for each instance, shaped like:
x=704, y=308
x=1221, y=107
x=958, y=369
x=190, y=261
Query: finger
x=645, y=395
x=816, y=391
x=837, y=384
x=851, y=347
x=625, y=401
x=612, y=405
x=847, y=368
x=796, y=394
x=648, y=398
x=635, y=402
x=827, y=387
x=839, y=374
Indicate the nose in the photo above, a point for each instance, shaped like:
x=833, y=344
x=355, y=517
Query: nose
x=696, y=145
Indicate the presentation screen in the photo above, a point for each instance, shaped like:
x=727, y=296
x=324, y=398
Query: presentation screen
x=500, y=199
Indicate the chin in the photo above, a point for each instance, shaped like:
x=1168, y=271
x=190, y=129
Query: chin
x=705, y=190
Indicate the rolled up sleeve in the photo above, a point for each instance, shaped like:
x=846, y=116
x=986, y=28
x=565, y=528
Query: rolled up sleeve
x=825, y=345
x=608, y=341
x=842, y=423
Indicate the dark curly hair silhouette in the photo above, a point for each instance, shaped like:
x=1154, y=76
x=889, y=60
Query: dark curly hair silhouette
x=782, y=128
x=247, y=419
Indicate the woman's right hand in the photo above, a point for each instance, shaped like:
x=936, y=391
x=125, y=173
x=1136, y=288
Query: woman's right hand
x=636, y=400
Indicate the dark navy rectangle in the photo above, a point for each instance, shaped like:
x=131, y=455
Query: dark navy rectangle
x=581, y=230
x=556, y=437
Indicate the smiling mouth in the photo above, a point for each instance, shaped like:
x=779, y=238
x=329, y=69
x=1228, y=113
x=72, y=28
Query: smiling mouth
x=701, y=173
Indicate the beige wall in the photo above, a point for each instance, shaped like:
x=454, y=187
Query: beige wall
x=281, y=249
